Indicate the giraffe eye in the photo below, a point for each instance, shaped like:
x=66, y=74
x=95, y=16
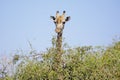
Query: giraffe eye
x=63, y=22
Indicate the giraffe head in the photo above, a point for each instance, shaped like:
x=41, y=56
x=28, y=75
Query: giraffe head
x=60, y=21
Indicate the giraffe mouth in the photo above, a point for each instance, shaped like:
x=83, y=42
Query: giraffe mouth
x=57, y=30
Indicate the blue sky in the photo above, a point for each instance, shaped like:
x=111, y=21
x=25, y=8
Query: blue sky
x=93, y=22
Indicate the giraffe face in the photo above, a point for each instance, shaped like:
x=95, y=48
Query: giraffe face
x=60, y=21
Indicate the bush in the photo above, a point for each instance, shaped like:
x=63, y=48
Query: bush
x=81, y=63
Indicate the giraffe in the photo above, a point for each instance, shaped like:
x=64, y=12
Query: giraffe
x=59, y=21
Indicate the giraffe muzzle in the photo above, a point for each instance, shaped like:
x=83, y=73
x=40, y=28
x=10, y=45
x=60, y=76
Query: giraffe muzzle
x=57, y=30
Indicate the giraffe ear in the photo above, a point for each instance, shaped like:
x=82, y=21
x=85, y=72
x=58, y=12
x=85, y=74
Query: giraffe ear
x=67, y=18
x=52, y=17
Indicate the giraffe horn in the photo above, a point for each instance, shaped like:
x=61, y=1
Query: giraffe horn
x=63, y=15
x=64, y=11
x=57, y=13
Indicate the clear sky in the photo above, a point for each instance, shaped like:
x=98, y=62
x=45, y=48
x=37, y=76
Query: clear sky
x=93, y=22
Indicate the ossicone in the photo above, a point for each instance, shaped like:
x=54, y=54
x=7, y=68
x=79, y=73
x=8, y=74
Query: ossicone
x=57, y=11
x=64, y=11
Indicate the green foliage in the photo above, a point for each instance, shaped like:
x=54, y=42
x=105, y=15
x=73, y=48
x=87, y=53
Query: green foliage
x=15, y=58
x=80, y=63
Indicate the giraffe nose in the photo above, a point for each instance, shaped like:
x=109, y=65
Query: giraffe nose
x=57, y=30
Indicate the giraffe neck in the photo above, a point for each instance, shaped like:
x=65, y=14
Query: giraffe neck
x=59, y=43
